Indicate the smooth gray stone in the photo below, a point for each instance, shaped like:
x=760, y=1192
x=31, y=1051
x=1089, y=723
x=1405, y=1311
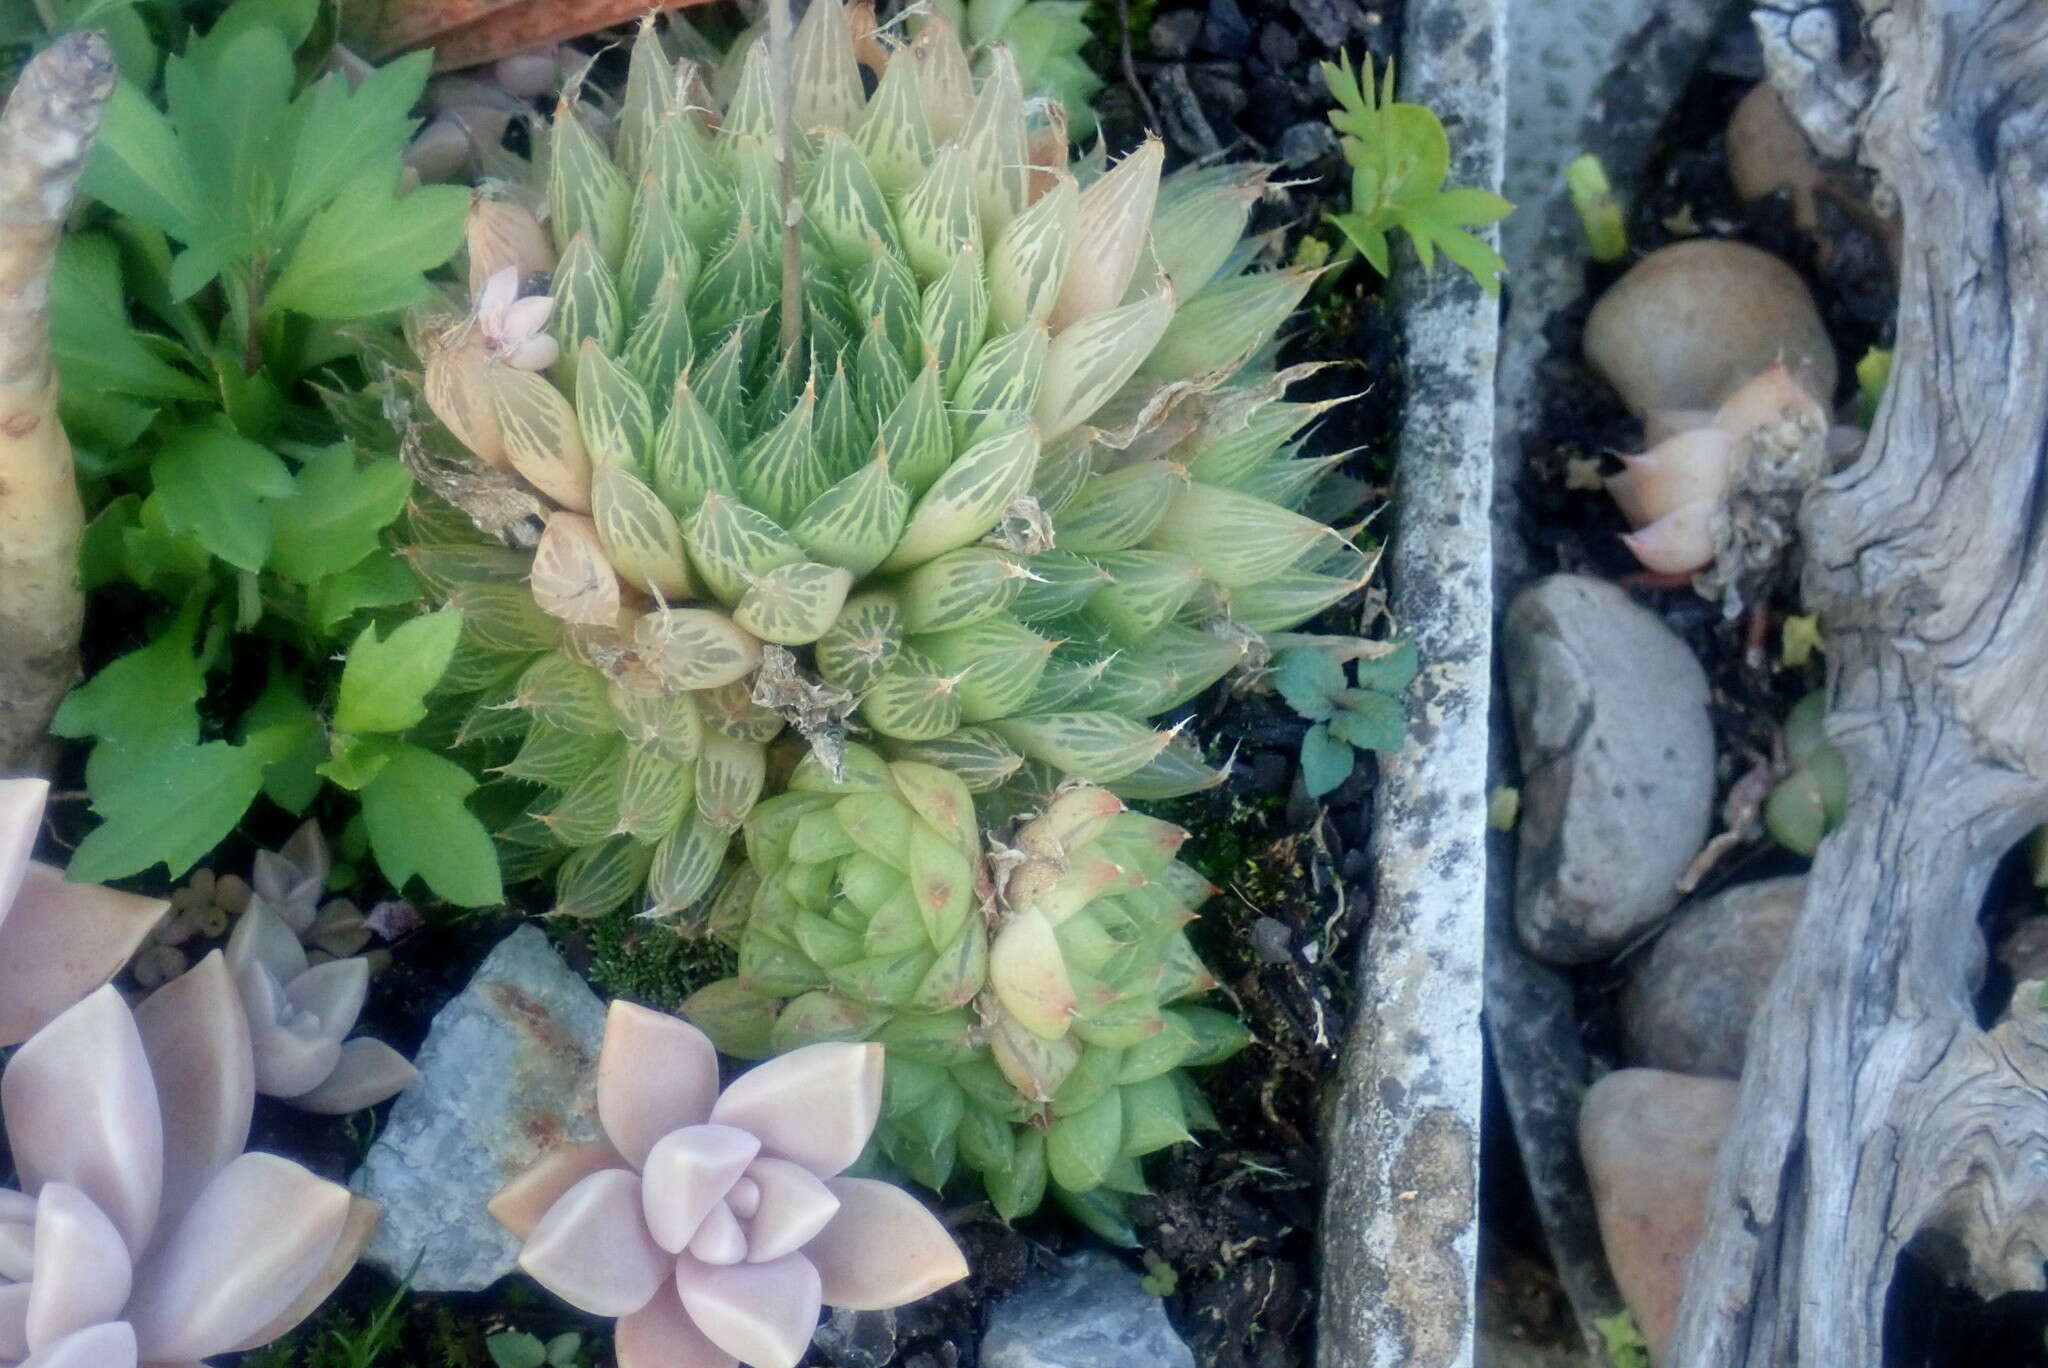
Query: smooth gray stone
x=1091, y=1313
x=506, y=1074
x=1690, y=1000
x=1617, y=756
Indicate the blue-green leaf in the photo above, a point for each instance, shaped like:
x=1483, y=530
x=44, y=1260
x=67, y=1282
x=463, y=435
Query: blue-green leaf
x=1325, y=761
x=1309, y=680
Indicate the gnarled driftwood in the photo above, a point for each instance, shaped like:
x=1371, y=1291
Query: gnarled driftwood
x=1874, y=1111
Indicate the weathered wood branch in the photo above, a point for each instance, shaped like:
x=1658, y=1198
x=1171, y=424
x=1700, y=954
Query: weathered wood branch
x=47, y=129
x=1875, y=1113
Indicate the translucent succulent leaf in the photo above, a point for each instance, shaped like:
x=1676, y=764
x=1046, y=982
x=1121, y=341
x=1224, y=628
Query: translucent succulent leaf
x=993, y=138
x=1090, y=1082
x=1225, y=324
x=731, y=545
x=1288, y=599
x=1160, y=1051
x=826, y=78
x=1116, y=511
x=794, y=604
x=457, y=387
x=742, y=278
x=731, y=709
x=1081, y=1149
x=1163, y=671
x=695, y=648
x=655, y=793
x=916, y=434
x=970, y=498
x=1028, y=263
x=446, y=567
x=959, y=587
x=655, y=249
x=650, y=97
x=1145, y=590
x=843, y=430
x=1003, y=379
x=1036, y=1066
x=1063, y=465
x=572, y=578
x=729, y=778
x=660, y=720
x=1090, y=360
x=937, y=1038
x=721, y=385
x=983, y=761
x=886, y=293
x=1202, y=216
x=751, y=111
x=1289, y=480
x=686, y=864
x=948, y=83
x=601, y=878
x=1114, y=219
x=565, y=692
x=822, y=1016
x=527, y=849
x=781, y=471
x=541, y=437
x=660, y=347
x=1238, y=438
x=895, y=139
x=913, y=700
x=1237, y=539
x=556, y=757
x=1094, y=745
x=954, y=314
x=504, y=618
x=587, y=193
x=997, y=662
x=857, y=522
x=689, y=458
x=937, y=218
x=881, y=378
x=862, y=642
x=772, y=825
x=701, y=188
x=587, y=811
x=612, y=411
x=1017, y=1190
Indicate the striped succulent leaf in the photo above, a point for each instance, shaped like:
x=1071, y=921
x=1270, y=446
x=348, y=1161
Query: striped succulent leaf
x=1023, y=484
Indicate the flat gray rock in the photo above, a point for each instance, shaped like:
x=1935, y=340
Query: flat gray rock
x=507, y=1072
x=1689, y=1002
x=1090, y=1313
x=1618, y=766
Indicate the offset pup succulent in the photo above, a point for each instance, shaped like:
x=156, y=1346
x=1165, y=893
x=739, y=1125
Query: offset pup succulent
x=142, y=1234
x=714, y=1225
x=1717, y=346
x=58, y=940
x=1028, y=1000
x=1023, y=482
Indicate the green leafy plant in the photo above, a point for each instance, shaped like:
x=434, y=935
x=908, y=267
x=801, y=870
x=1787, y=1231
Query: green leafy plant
x=1623, y=1341
x=253, y=247
x=1400, y=157
x=517, y=1349
x=1347, y=717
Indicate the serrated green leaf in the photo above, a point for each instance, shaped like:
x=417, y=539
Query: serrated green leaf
x=1309, y=680
x=384, y=684
x=139, y=169
x=418, y=824
x=363, y=254
x=143, y=698
x=222, y=489
x=1368, y=720
x=174, y=809
x=378, y=580
x=293, y=779
x=344, y=134
x=338, y=506
x=1325, y=761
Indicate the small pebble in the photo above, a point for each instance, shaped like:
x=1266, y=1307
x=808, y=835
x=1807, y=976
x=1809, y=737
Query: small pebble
x=1174, y=34
x=1307, y=143
x=1225, y=30
x=1278, y=46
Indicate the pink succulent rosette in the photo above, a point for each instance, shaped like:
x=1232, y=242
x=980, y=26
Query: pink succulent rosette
x=58, y=940
x=716, y=1225
x=142, y=1234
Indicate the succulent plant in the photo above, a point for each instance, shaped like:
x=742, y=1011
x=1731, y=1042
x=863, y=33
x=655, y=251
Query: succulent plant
x=1045, y=37
x=142, y=1234
x=1025, y=481
x=714, y=1225
x=1807, y=802
x=1031, y=1003
x=58, y=940
x=300, y=1016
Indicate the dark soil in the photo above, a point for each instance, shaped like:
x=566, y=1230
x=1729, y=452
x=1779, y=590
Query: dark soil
x=1930, y=1325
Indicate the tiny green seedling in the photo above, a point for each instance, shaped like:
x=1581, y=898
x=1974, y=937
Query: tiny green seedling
x=1599, y=214
x=1400, y=156
x=1347, y=718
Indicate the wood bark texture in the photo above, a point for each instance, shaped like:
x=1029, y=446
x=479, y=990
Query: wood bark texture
x=45, y=133
x=1875, y=1113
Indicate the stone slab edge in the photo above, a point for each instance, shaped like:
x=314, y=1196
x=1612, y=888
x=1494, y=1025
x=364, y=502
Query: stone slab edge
x=1399, y=1228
